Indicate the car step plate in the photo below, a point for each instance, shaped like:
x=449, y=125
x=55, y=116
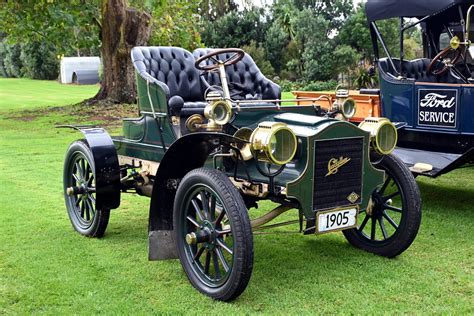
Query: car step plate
x=335, y=220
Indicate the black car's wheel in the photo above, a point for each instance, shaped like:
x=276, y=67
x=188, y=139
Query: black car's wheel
x=390, y=223
x=213, y=234
x=79, y=192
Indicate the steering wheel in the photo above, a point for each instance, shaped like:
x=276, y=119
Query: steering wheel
x=237, y=55
x=447, y=58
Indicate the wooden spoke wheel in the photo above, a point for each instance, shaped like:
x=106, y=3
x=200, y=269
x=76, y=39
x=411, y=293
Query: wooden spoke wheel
x=391, y=222
x=80, y=192
x=213, y=234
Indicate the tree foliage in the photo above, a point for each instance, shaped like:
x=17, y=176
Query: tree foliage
x=211, y=10
x=39, y=61
x=70, y=26
x=235, y=29
x=12, y=61
x=276, y=40
x=258, y=54
x=333, y=11
x=355, y=33
x=303, y=40
x=79, y=27
x=174, y=22
x=313, y=44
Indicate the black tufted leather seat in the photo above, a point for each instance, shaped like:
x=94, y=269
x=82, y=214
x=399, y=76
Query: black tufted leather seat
x=171, y=66
x=416, y=69
x=244, y=73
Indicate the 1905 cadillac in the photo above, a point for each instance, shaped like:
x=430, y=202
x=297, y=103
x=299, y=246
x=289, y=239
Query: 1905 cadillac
x=211, y=141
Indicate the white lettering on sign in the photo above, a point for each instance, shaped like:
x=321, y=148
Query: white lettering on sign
x=435, y=100
x=436, y=117
x=437, y=108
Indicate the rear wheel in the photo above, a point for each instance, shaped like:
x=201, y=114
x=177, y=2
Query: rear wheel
x=80, y=192
x=213, y=234
x=391, y=221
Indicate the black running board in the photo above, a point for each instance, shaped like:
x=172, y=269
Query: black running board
x=439, y=163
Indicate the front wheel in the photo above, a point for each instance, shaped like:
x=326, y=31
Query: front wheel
x=391, y=221
x=213, y=233
x=79, y=192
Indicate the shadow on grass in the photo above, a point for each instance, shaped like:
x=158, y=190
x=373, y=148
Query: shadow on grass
x=306, y=267
x=440, y=198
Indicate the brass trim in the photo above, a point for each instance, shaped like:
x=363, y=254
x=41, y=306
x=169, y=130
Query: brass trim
x=244, y=133
x=191, y=239
x=194, y=122
x=353, y=197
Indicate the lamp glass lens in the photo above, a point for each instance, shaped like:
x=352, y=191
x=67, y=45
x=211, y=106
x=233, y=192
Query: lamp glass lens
x=386, y=138
x=220, y=112
x=282, y=145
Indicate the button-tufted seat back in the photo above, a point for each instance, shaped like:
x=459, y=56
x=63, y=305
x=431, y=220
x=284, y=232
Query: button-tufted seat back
x=172, y=66
x=245, y=73
x=416, y=69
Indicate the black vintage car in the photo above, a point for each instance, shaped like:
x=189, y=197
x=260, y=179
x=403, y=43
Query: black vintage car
x=431, y=97
x=212, y=140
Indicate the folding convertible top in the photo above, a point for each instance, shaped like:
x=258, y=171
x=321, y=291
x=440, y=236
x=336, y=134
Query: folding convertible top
x=385, y=9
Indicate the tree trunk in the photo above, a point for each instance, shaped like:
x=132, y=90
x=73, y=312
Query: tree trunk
x=122, y=29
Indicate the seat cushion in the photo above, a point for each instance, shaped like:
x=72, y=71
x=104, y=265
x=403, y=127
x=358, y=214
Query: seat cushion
x=191, y=108
x=174, y=66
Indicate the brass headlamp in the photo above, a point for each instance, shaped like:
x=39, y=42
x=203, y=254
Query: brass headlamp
x=344, y=105
x=218, y=113
x=273, y=142
x=383, y=134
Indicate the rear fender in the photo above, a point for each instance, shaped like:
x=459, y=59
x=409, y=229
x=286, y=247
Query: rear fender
x=106, y=164
x=187, y=153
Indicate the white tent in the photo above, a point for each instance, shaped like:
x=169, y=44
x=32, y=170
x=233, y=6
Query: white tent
x=70, y=65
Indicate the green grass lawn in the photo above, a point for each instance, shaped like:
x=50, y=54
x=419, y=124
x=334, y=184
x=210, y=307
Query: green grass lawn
x=45, y=267
x=29, y=94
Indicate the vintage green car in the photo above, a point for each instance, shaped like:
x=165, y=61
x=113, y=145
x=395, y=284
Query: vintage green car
x=213, y=138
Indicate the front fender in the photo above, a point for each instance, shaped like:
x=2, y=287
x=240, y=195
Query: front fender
x=106, y=165
x=187, y=153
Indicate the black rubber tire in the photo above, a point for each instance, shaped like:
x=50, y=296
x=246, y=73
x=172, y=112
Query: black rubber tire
x=410, y=220
x=96, y=226
x=237, y=213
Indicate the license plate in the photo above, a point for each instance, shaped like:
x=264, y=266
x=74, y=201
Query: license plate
x=337, y=219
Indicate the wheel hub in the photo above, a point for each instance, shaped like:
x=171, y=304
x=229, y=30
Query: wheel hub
x=206, y=234
x=80, y=189
x=376, y=206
